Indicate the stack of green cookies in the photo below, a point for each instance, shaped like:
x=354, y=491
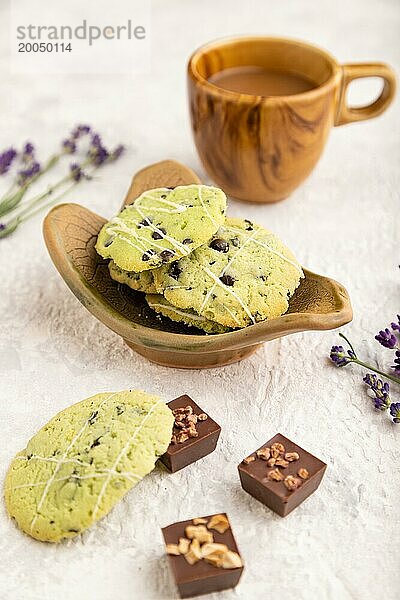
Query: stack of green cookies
x=196, y=265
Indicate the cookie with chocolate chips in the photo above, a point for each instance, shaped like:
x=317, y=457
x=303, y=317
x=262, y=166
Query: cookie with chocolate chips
x=245, y=274
x=160, y=305
x=141, y=282
x=162, y=226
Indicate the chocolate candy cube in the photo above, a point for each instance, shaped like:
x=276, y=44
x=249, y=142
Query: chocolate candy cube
x=203, y=555
x=281, y=474
x=195, y=434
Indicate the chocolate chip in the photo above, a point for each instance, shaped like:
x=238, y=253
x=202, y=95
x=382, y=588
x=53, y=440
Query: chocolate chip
x=148, y=254
x=166, y=255
x=120, y=410
x=219, y=245
x=175, y=270
x=227, y=280
x=249, y=225
x=145, y=222
x=163, y=196
x=158, y=235
x=235, y=242
x=187, y=241
x=95, y=442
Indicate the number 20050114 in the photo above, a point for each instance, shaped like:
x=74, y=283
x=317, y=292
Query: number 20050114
x=44, y=47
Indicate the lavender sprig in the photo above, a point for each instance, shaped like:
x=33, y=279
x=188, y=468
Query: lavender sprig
x=31, y=169
x=96, y=157
x=379, y=388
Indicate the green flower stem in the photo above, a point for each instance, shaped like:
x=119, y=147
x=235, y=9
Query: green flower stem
x=370, y=368
x=15, y=193
x=26, y=208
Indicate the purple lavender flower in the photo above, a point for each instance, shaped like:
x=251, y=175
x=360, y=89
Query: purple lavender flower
x=24, y=175
x=396, y=365
x=387, y=339
x=6, y=159
x=395, y=411
x=97, y=152
x=380, y=389
x=396, y=326
x=339, y=356
x=28, y=153
x=79, y=131
x=77, y=173
x=2, y=226
x=69, y=146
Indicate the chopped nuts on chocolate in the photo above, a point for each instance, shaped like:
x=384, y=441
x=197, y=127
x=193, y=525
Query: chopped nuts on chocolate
x=249, y=459
x=218, y=522
x=275, y=475
x=276, y=456
x=201, y=545
x=278, y=447
x=303, y=473
x=264, y=453
x=291, y=456
x=231, y=560
x=185, y=424
x=199, y=521
x=173, y=549
x=199, y=533
x=183, y=545
x=292, y=483
x=194, y=554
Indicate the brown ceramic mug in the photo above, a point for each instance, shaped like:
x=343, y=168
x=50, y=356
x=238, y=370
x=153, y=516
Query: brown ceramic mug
x=261, y=147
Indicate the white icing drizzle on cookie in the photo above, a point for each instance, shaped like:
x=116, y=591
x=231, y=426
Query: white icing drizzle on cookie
x=213, y=221
x=228, y=289
x=63, y=457
x=266, y=246
x=121, y=455
x=182, y=313
x=217, y=281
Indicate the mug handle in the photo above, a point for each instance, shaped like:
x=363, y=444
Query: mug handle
x=349, y=114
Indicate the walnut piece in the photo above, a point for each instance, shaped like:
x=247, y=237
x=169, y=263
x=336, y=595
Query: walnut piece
x=199, y=533
x=275, y=475
x=264, y=453
x=281, y=462
x=173, y=549
x=271, y=462
x=194, y=554
x=217, y=549
x=183, y=545
x=303, y=473
x=291, y=456
x=278, y=447
x=199, y=521
x=219, y=522
x=249, y=459
x=202, y=417
x=292, y=483
x=231, y=560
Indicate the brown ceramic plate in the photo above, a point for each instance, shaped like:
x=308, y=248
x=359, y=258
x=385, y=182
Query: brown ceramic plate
x=70, y=232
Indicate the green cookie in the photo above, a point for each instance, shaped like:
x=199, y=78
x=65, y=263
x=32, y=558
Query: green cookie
x=84, y=460
x=141, y=282
x=160, y=305
x=162, y=226
x=243, y=275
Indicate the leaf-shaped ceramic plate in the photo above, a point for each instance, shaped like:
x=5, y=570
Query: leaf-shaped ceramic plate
x=70, y=232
